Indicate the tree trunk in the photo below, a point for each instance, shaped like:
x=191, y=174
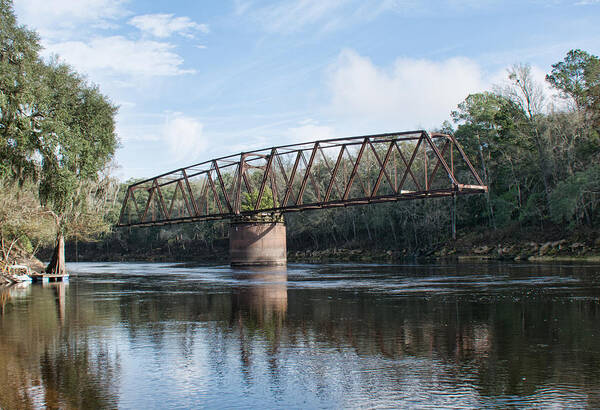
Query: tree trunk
x=57, y=263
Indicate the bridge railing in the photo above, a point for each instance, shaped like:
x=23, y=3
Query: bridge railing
x=314, y=175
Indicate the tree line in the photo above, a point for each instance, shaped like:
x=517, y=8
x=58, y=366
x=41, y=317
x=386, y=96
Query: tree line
x=539, y=154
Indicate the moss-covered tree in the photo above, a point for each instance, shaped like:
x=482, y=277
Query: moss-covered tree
x=56, y=130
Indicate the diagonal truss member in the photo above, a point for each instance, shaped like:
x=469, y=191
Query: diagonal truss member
x=313, y=175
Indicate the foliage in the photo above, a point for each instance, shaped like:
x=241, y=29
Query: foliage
x=539, y=160
x=249, y=200
x=576, y=200
x=19, y=82
x=56, y=131
x=23, y=222
x=577, y=77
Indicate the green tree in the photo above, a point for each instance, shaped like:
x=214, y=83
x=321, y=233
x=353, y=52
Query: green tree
x=576, y=200
x=19, y=81
x=57, y=130
x=487, y=129
x=76, y=140
x=577, y=78
x=527, y=95
x=249, y=200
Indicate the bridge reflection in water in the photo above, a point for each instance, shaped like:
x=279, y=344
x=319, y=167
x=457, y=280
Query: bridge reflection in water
x=328, y=336
x=262, y=291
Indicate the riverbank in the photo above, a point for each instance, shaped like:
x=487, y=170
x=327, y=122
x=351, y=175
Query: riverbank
x=518, y=245
x=20, y=257
x=533, y=245
x=526, y=245
x=560, y=251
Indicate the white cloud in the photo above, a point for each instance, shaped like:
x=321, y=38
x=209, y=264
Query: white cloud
x=121, y=56
x=53, y=18
x=184, y=136
x=309, y=130
x=166, y=25
x=412, y=93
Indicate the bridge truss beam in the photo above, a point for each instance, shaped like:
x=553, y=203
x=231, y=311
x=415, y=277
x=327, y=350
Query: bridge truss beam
x=314, y=175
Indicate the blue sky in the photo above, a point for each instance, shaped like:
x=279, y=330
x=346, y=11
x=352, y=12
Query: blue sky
x=195, y=80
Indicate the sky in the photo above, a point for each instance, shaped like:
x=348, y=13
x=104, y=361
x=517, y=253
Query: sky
x=195, y=80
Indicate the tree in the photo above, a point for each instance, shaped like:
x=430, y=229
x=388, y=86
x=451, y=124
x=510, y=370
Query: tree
x=76, y=140
x=577, y=78
x=57, y=130
x=525, y=93
x=19, y=80
x=576, y=200
x=486, y=128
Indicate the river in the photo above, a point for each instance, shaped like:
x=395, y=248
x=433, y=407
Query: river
x=147, y=335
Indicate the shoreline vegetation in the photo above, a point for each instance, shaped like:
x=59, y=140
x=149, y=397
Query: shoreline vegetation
x=503, y=246
x=537, y=151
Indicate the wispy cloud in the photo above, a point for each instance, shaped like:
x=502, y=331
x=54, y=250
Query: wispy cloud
x=473, y=4
x=292, y=16
x=179, y=134
x=288, y=17
x=166, y=25
x=241, y=6
x=161, y=141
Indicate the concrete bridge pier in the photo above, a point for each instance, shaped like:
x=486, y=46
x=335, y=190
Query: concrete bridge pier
x=257, y=242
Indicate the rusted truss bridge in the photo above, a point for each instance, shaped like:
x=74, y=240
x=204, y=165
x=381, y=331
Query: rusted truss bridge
x=314, y=175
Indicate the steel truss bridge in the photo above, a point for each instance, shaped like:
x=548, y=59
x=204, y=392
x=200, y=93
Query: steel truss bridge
x=314, y=175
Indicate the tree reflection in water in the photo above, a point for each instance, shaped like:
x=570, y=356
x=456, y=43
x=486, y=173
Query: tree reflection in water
x=45, y=361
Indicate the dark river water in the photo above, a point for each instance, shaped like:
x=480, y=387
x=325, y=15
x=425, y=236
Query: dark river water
x=146, y=336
